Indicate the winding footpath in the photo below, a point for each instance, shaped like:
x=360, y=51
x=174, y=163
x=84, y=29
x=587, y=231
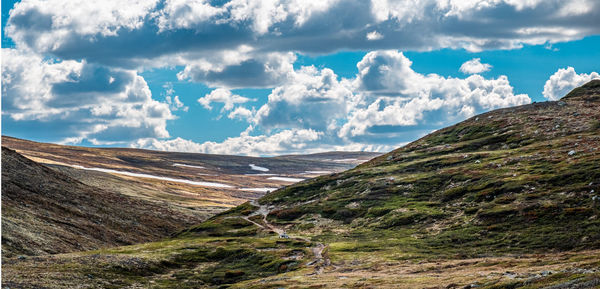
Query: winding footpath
x=320, y=259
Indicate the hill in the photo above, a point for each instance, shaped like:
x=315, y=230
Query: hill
x=47, y=212
x=505, y=199
x=201, y=184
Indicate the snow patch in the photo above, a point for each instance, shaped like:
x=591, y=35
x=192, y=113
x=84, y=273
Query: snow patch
x=260, y=174
x=188, y=166
x=257, y=168
x=317, y=172
x=203, y=184
x=285, y=179
x=261, y=190
x=345, y=160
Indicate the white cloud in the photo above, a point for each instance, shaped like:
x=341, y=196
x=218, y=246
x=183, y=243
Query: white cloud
x=185, y=14
x=399, y=11
x=374, y=35
x=564, y=80
x=386, y=104
x=241, y=113
x=51, y=21
x=293, y=140
x=240, y=68
x=175, y=104
x=140, y=32
x=221, y=95
x=77, y=100
x=394, y=95
x=173, y=101
x=302, y=142
x=92, y=90
x=311, y=98
x=474, y=66
x=385, y=72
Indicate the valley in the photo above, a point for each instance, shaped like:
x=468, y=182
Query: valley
x=505, y=199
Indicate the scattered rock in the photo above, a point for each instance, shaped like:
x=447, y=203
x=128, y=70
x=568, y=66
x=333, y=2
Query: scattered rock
x=572, y=152
x=510, y=275
x=353, y=205
x=546, y=273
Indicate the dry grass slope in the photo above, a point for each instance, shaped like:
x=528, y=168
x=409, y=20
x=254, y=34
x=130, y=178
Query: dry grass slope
x=47, y=212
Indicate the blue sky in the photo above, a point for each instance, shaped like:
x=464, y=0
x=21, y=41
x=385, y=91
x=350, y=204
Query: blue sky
x=243, y=77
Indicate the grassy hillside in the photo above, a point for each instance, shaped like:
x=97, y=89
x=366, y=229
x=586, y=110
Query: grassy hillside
x=512, y=180
x=46, y=212
x=506, y=199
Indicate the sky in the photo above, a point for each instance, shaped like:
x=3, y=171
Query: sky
x=277, y=77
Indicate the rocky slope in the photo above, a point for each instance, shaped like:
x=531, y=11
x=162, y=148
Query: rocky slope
x=506, y=199
x=47, y=212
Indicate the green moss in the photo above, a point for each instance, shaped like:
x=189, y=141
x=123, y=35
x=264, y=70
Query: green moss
x=287, y=214
x=244, y=209
x=223, y=226
x=378, y=211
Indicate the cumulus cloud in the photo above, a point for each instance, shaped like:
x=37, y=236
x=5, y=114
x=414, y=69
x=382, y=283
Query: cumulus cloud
x=221, y=95
x=286, y=141
x=78, y=100
x=374, y=35
x=386, y=104
x=241, y=113
x=385, y=73
x=173, y=100
x=99, y=31
x=87, y=86
x=395, y=97
x=564, y=80
x=312, y=98
x=175, y=104
x=241, y=68
x=474, y=66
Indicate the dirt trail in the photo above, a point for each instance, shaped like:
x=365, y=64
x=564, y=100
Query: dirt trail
x=255, y=223
x=320, y=259
x=263, y=210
